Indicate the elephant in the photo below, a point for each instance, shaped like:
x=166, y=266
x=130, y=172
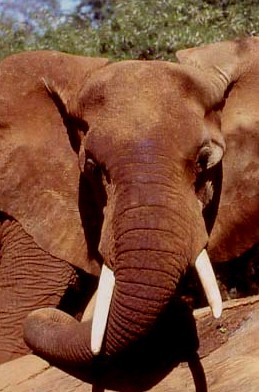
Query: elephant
x=236, y=228
x=44, y=260
x=149, y=143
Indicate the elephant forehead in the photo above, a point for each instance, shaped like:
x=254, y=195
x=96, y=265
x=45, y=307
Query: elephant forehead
x=149, y=72
x=151, y=102
x=139, y=86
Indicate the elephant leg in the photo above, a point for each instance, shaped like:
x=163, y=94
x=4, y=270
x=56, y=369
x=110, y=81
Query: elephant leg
x=30, y=278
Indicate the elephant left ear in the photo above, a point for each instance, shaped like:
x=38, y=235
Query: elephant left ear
x=220, y=57
x=233, y=66
x=222, y=63
x=219, y=64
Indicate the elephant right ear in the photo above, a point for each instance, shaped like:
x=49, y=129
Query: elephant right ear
x=67, y=84
x=39, y=174
x=66, y=103
x=65, y=92
x=55, y=90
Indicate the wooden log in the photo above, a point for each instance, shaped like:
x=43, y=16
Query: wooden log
x=232, y=366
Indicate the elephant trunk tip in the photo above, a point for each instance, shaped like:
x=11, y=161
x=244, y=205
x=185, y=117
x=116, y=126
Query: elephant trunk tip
x=47, y=330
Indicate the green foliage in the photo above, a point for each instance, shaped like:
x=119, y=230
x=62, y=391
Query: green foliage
x=157, y=28
x=23, y=22
x=93, y=11
x=143, y=29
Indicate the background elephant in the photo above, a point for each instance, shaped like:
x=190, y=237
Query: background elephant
x=236, y=230
x=42, y=239
x=150, y=144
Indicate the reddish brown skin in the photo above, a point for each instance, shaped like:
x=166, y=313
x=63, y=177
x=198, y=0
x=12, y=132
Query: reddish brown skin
x=236, y=229
x=144, y=126
x=39, y=169
x=41, y=239
x=30, y=278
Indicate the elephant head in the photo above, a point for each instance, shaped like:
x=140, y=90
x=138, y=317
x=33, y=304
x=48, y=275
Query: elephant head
x=147, y=139
x=237, y=62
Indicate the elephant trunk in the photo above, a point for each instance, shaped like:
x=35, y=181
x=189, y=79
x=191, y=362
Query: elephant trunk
x=58, y=337
x=140, y=295
x=146, y=270
x=150, y=257
x=154, y=242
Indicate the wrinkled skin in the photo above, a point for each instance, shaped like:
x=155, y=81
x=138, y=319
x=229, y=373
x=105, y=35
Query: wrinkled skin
x=236, y=228
x=108, y=119
x=150, y=145
x=42, y=239
x=39, y=169
x=29, y=278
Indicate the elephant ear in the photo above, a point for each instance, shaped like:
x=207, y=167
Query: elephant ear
x=220, y=58
x=235, y=63
x=39, y=178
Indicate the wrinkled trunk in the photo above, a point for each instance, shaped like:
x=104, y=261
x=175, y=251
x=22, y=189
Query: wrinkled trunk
x=145, y=282
x=149, y=262
x=152, y=250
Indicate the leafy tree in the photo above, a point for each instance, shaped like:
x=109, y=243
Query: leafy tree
x=22, y=22
x=93, y=11
x=157, y=28
x=30, y=14
x=144, y=29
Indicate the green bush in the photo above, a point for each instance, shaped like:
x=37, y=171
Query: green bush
x=143, y=29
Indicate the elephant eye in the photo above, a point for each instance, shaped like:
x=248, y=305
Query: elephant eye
x=90, y=166
x=203, y=158
x=94, y=171
x=210, y=153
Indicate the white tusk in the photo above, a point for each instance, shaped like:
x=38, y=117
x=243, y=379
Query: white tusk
x=209, y=283
x=89, y=311
x=102, y=306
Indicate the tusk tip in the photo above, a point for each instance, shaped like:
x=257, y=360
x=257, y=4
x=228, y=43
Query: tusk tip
x=217, y=311
x=216, y=305
x=96, y=344
x=95, y=350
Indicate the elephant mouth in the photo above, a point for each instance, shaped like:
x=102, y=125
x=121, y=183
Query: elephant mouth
x=107, y=284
